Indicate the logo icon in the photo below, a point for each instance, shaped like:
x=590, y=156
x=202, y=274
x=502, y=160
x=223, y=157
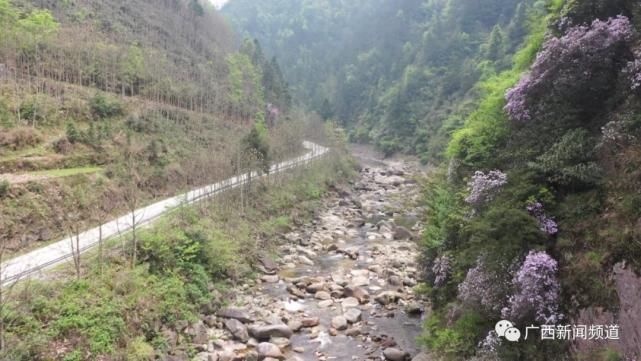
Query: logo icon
x=505, y=328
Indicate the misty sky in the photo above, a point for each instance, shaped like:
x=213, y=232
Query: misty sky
x=218, y=3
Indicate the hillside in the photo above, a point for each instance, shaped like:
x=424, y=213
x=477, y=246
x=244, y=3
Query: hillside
x=529, y=111
x=88, y=87
x=107, y=107
x=526, y=227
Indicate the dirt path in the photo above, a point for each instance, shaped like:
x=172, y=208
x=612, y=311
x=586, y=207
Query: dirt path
x=21, y=178
x=342, y=288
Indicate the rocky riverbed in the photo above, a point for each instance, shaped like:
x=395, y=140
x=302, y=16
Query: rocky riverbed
x=341, y=287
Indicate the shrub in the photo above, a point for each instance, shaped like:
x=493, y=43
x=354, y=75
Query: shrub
x=570, y=162
x=483, y=287
x=575, y=70
x=538, y=291
x=6, y=118
x=103, y=107
x=458, y=340
x=139, y=350
x=62, y=145
x=88, y=311
x=389, y=146
x=483, y=187
x=30, y=110
x=4, y=188
x=441, y=269
x=19, y=138
x=73, y=134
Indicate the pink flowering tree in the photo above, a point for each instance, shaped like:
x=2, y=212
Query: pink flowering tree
x=483, y=288
x=537, y=291
x=547, y=224
x=442, y=268
x=573, y=74
x=484, y=187
x=633, y=69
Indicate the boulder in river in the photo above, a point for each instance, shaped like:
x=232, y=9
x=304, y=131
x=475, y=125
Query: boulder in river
x=269, y=350
x=394, y=354
x=235, y=313
x=402, y=233
x=310, y=322
x=339, y=323
x=357, y=292
x=237, y=329
x=269, y=331
x=387, y=297
x=353, y=315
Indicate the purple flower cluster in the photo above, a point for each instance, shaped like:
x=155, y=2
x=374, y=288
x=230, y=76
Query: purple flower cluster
x=442, y=269
x=615, y=132
x=573, y=56
x=537, y=291
x=482, y=287
x=483, y=187
x=634, y=71
x=490, y=343
x=546, y=224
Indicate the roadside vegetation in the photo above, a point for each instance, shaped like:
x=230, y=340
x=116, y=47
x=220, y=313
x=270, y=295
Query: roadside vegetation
x=185, y=264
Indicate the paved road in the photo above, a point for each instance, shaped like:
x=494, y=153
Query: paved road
x=35, y=262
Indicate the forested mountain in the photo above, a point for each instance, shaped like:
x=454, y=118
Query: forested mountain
x=530, y=110
x=398, y=73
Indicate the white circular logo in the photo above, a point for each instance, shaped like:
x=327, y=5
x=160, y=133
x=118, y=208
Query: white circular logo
x=502, y=326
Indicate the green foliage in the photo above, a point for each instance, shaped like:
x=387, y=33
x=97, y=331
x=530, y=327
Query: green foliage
x=4, y=188
x=443, y=221
x=245, y=79
x=6, y=118
x=94, y=314
x=486, y=128
x=139, y=350
x=570, y=162
x=400, y=102
x=72, y=133
x=457, y=341
x=170, y=250
x=256, y=145
x=20, y=138
x=103, y=106
x=30, y=110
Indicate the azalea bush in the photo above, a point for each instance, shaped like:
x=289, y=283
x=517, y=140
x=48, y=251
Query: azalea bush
x=483, y=287
x=547, y=224
x=537, y=291
x=575, y=71
x=483, y=187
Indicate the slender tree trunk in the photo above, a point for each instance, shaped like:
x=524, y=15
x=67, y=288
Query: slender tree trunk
x=100, y=249
x=134, y=240
x=2, y=305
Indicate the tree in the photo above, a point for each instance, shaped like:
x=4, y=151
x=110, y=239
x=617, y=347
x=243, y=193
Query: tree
x=577, y=70
x=256, y=144
x=132, y=172
x=79, y=201
x=7, y=232
x=326, y=111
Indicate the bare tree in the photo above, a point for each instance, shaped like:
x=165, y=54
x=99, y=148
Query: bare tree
x=102, y=209
x=131, y=175
x=79, y=201
x=7, y=232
